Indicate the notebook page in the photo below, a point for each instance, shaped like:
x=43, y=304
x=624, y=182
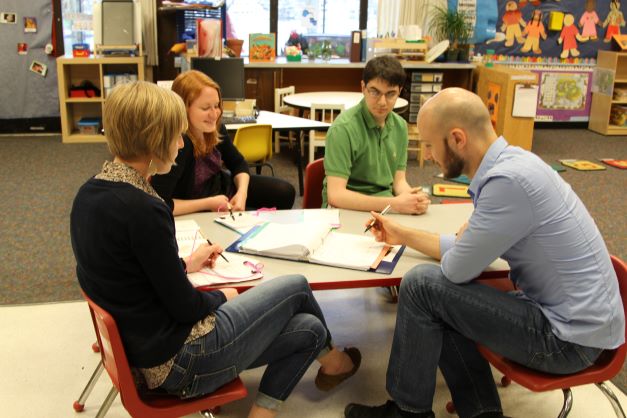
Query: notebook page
x=294, y=241
x=242, y=223
x=188, y=236
x=349, y=251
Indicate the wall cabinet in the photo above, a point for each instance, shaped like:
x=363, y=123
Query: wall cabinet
x=101, y=72
x=609, y=104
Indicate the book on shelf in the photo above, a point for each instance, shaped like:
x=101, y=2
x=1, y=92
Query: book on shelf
x=582, y=165
x=318, y=243
x=238, y=268
x=262, y=47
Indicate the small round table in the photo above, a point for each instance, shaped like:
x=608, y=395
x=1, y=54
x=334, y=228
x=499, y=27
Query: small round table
x=347, y=98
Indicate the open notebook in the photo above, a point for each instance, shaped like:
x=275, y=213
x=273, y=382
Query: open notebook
x=316, y=242
x=238, y=269
x=242, y=222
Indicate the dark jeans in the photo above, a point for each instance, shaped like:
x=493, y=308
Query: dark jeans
x=268, y=192
x=277, y=323
x=438, y=323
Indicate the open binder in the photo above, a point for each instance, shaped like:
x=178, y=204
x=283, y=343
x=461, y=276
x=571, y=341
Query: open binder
x=318, y=243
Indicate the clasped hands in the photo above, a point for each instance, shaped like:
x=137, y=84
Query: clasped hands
x=413, y=201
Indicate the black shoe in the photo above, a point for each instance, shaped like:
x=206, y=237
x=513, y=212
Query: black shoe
x=387, y=410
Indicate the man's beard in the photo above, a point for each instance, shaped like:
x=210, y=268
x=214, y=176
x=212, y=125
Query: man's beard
x=453, y=163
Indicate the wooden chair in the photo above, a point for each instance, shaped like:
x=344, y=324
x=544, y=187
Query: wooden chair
x=324, y=113
x=414, y=144
x=608, y=365
x=255, y=144
x=281, y=107
x=314, y=176
x=154, y=406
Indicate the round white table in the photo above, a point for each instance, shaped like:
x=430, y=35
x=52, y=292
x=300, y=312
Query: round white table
x=348, y=98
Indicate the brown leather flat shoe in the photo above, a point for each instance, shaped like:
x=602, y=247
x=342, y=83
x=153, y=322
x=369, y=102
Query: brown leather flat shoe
x=326, y=382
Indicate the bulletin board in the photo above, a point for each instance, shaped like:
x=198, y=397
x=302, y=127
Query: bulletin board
x=551, y=14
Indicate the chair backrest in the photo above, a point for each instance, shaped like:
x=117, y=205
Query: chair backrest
x=254, y=142
x=325, y=112
x=314, y=176
x=279, y=93
x=113, y=355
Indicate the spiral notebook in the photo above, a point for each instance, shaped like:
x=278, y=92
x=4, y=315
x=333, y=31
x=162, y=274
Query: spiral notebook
x=318, y=243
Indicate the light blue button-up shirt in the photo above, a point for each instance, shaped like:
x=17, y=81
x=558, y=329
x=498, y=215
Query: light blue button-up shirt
x=528, y=215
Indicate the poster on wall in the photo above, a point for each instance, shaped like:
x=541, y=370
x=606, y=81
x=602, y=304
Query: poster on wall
x=554, y=31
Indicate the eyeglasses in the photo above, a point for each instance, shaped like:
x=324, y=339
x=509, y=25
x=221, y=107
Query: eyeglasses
x=376, y=94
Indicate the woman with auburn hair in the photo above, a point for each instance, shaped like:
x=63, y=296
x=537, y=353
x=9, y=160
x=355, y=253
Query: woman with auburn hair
x=179, y=339
x=198, y=181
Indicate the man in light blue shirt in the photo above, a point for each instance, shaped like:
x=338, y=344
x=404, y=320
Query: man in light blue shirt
x=567, y=309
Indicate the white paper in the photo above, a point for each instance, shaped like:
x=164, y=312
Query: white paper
x=525, y=101
x=348, y=250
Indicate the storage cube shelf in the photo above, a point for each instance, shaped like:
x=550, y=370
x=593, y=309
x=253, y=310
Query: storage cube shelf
x=424, y=84
x=73, y=72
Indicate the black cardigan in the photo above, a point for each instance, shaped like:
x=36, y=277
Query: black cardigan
x=127, y=262
x=179, y=182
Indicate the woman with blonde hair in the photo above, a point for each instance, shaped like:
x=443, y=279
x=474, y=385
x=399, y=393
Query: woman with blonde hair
x=198, y=182
x=180, y=339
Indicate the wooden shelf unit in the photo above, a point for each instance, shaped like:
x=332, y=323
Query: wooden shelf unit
x=72, y=72
x=601, y=106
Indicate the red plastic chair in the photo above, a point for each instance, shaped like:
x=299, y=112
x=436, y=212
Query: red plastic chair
x=606, y=367
x=314, y=176
x=154, y=406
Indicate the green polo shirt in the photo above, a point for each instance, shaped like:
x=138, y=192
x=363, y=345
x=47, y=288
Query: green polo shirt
x=363, y=153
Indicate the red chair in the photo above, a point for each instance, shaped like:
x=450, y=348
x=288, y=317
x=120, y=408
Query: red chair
x=154, y=406
x=314, y=176
x=606, y=367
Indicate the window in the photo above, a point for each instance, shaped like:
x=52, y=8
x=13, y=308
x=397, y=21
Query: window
x=317, y=21
x=77, y=23
x=246, y=17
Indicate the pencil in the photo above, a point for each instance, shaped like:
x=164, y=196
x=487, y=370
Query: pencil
x=383, y=212
x=221, y=255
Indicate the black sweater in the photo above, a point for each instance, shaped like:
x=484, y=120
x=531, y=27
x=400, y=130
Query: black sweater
x=127, y=262
x=179, y=182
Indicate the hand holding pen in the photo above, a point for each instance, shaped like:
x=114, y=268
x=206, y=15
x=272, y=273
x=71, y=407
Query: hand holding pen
x=372, y=222
x=220, y=253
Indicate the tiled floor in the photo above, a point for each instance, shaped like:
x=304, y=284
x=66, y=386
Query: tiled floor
x=46, y=359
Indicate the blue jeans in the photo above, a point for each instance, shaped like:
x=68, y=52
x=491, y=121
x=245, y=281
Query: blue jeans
x=438, y=323
x=278, y=323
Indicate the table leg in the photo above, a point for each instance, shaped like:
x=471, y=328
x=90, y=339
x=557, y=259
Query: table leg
x=299, y=163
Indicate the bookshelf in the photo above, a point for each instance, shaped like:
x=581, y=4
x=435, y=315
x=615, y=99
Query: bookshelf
x=74, y=71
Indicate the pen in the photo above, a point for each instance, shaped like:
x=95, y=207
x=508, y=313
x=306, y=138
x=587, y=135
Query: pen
x=228, y=205
x=383, y=212
x=221, y=255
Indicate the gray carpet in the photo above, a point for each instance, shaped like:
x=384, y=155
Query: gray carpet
x=41, y=176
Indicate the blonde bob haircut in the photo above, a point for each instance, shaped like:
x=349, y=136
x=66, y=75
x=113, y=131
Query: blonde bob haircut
x=189, y=85
x=142, y=119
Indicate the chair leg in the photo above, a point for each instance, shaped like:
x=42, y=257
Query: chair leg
x=568, y=403
x=107, y=403
x=209, y=413
x=394, y=293
x=79, y=405
x=618, y=410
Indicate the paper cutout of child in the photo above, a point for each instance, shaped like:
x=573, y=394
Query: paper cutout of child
x=512, y=22
x=534, y=30
x=589, y=21
x=569, y=37
x=613, y=21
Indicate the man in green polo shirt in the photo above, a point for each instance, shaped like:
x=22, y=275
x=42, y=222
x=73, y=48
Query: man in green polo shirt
x=366, y=148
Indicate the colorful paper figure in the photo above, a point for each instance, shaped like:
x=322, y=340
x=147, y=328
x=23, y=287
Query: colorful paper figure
x=613, y=21
x=589, y=21
x=534, y=30
x=569, y=37
x=512, y=22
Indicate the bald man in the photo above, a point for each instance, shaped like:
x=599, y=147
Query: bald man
x=567, y=307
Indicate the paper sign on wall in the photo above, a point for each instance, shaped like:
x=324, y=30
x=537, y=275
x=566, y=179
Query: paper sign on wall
x=525, y=101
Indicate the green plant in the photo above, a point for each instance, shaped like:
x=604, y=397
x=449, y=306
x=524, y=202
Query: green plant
x=450, y=24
